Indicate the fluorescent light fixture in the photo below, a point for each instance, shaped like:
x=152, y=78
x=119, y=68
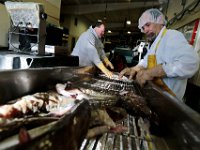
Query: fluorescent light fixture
x=128, y=22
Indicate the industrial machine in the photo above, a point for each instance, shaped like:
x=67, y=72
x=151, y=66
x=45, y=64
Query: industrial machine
x=28, y=26
x=27, y=39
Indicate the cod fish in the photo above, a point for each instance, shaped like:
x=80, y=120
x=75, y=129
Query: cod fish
x=36, y=103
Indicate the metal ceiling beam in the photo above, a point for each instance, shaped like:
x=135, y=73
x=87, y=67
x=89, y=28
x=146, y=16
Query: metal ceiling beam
x=95, y=8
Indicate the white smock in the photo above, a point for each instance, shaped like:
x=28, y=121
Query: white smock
x=178, y=58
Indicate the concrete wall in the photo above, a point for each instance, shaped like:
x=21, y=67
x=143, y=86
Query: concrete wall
x=175, y=7
x=75, y=30
x=4, y=26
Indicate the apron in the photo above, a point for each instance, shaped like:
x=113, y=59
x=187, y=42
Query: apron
x=152, y=63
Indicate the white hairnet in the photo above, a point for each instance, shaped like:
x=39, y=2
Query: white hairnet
x=151, y=15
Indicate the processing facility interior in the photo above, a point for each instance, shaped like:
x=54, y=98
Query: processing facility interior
x=49, y=101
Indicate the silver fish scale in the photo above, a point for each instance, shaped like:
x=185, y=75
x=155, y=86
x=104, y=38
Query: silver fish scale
x=110, y=85
x=105, y=92
x=99, y=99
x=102, y=103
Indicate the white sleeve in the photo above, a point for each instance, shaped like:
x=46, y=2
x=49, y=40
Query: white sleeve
x=182, y=61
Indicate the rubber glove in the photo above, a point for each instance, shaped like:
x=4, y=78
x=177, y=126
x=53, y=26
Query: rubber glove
x=105, y=70
x=108, y=63
x=145, y=75
x=131, y=72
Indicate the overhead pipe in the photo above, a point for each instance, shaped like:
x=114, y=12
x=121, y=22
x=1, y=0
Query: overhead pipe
x=187, y=9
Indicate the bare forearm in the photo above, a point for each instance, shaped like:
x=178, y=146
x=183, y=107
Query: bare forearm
x=158, y=71
x=149, y=74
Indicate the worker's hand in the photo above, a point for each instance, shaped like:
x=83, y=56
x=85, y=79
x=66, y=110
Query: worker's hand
x=108, y=63
x=105, y=70
x=143, y=76
x=108, y=73
x=130, y=71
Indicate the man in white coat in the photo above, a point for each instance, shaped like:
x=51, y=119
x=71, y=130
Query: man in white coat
x=170, y=60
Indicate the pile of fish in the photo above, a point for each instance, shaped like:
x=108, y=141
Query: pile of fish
x=110, y=102
x=100, y=122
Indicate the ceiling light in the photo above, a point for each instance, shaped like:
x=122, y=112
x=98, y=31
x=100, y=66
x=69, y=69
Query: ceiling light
x=128, y=22
x=109, y=31
x=129, y=32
